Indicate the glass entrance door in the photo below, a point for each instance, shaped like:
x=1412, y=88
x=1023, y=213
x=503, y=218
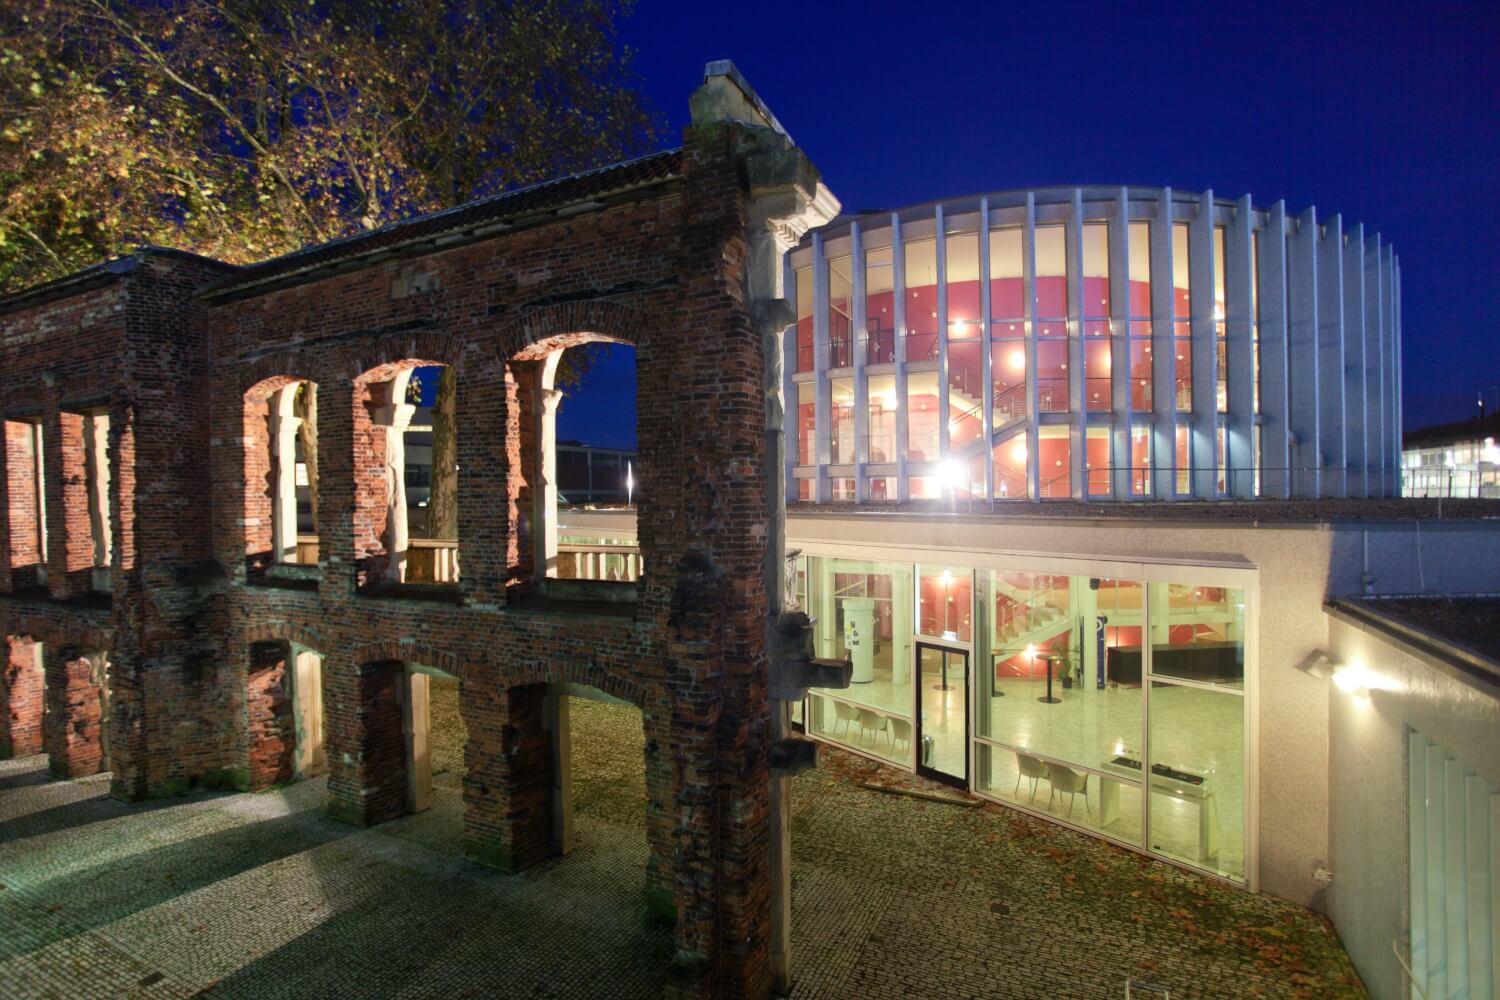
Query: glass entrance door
x=943, y=714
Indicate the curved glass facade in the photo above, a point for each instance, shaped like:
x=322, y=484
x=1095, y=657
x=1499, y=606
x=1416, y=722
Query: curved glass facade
x=1092, y=343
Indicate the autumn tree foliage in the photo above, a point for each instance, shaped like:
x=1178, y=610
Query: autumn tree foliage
x=242, y=129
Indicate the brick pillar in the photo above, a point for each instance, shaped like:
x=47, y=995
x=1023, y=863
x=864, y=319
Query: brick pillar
x=273, y=737
x=366, y=746
x=75, y=711
x=21, y=694
x=508, y=776
x=486, y=540
x=70, y=542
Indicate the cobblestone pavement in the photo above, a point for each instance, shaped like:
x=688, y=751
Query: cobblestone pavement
x=262, y=896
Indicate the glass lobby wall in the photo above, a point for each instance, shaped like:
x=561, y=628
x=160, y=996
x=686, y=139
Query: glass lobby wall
x=1080, y=685
x=863, y=611
x=1057, y=708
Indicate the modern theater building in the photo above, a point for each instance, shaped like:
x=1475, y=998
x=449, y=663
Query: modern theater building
x=1095, y=489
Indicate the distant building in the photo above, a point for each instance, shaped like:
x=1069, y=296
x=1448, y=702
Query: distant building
x=590, y=475
x=1460, y=459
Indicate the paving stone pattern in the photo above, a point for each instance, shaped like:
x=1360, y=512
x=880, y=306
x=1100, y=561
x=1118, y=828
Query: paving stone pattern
x=260, y=895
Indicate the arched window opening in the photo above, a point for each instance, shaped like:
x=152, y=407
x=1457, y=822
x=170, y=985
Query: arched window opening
x=595, y=463
x=430, y=476
x=281, y=477
x=406, y=477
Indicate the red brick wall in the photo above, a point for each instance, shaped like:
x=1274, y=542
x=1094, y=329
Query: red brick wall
x=21, y=693
x=74, y=714
x=70, y=544
x=21, y=499
x=273, y=733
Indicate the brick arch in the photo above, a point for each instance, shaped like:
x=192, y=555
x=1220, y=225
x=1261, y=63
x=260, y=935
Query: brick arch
x=588, y=672
x=380, y=359
x=542, y=330
x=282, y=632
x=408, y=650
x=263, y=376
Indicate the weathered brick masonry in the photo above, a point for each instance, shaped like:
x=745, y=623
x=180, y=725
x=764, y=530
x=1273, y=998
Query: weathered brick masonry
x=183, y=354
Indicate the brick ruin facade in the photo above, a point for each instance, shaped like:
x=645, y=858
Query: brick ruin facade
x=170, y=662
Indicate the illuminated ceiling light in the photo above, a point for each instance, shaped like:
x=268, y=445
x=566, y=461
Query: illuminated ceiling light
x=1018, y=360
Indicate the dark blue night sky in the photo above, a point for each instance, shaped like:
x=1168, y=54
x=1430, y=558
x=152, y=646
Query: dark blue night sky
x=1386, y=113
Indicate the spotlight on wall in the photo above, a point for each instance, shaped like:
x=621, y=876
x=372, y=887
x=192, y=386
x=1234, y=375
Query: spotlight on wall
x=1316, y=664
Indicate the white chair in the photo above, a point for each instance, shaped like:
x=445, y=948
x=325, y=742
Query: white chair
x=845, y=714
x=872, y=722
x=1030, y=767
x=1067, y=781
x=900, y=733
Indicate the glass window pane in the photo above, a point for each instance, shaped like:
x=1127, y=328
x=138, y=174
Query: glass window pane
x=1181, y=300
x=1183, y=386
x=1051, y=272
x=1096, y=269
x=1184, y=461
x=882, y=418
x=1009, y=457
x=1198, y=633
x=1052, y=376
x=1139, y=252
x=925, y=488
x=1008, y=370
x=1096, y=460
x=840, y=313
x=1140, y=366
x=1054, y=456
x=1097, y=394
x=922, y=417
x=863, y=611
x=1007, y=290
x=965, y=392
x=807, y=412
x=921, y=300
x=882, y=488
x=1068, y=756
x=804, y=328
x=1198, y=777
x=945, y=604
x=880, y=308
x=961, y=260
x=841, y=433
x=1140, y=461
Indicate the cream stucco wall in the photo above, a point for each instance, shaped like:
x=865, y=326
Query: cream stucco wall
x=1369, y=811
